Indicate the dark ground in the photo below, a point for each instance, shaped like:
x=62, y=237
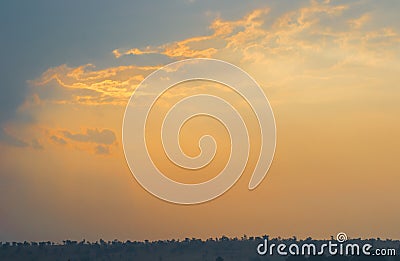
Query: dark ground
x=188, y=249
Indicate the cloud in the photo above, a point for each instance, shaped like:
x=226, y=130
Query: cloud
x=105, y=136
x=102, y=150
x=310, y=40
x=36, y=145
x=86, y=85
x=317, y=40
x=359, y=22
x=318, y=33
x=116, y=53
x=11, y=140
x=58, y=140
x=250, y=31
x=179, y=49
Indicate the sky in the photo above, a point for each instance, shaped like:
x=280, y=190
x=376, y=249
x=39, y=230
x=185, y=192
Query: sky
x=329, y=69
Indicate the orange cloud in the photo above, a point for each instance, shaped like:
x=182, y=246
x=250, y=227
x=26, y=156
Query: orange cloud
x=97, y=141
x=88, y=86
x=299, y=43
x=105, y=136
x=58, y=140
x=312, y=43
x=359, y=22
x=295, y=35
x=244, y=33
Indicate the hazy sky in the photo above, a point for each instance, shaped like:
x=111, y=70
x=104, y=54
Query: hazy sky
x=330, y=70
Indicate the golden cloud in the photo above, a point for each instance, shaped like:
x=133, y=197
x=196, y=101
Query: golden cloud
x=295, y=35
x=304, y=42
x=89, y=86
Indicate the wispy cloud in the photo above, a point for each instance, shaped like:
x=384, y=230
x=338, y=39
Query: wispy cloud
x=37, y=145
x=11, y=140
x=97, y=141
x=102, y=150
x=319, y=27
x=248, y=32
x=319, y=41
x=359, y=22
x=6, y=138
x=316, y=39
x=86, y=85
x=104, y=136
x=58, y=140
